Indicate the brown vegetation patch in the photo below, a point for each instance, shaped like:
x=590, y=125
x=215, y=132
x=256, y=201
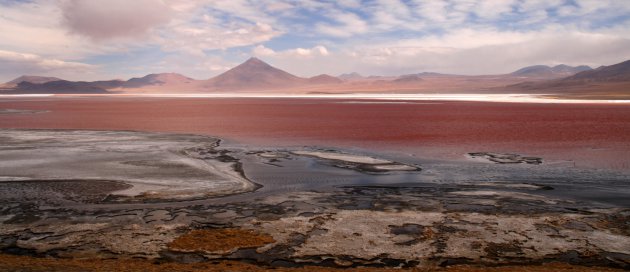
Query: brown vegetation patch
x=219, y=240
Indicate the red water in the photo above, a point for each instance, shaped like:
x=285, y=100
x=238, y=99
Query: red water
x=585, y=134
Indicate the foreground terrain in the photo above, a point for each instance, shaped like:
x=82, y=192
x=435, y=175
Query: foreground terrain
x=318, y=207
x=312, y=184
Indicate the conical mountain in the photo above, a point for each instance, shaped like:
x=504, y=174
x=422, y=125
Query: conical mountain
x=255, y=74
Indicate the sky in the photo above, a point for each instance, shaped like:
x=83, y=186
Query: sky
x=108, y=39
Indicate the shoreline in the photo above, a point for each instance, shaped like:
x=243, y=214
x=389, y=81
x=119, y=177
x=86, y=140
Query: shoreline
x=502, y=98
x=584, y=135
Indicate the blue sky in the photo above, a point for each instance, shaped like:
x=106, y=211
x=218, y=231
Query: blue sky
x=103, y=39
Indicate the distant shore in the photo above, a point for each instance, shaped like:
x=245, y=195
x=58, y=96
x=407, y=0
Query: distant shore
x=506, y=98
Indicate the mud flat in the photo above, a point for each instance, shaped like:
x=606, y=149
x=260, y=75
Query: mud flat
x=154, y=166
x=182, y=202
x=357, y=162
x=505, y=158
x=15, y=111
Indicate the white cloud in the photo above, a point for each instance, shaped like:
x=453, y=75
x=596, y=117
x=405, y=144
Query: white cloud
x=382, y=36
x=34, y=27
x=534, y=5
x=467, y=38
x=315, y=51
x=189, y=65
x=110, y=19
x=348, y=24
x=250, y=10
x=349, y=3
x=194, y=39
x=390, y=13
x=261, y=50
x=14, y=64
x=431, y=10
x=490, y=51
x=467, y=51
x=491, y=9
x=8, y=57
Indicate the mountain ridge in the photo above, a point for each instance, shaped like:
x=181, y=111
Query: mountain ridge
x=616, y=72
x=257, y=75
x=31, y=79
x=560, y=70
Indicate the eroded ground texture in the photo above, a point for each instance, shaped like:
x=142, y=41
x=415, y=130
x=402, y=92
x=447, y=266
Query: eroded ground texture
x=183, y=199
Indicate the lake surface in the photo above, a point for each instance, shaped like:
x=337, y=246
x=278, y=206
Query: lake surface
x=581, y=135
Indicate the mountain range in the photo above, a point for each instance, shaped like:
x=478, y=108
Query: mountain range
x=606, y=81
x=254, y=75
x=31, y=79
x=547, y=71
x=614, y=73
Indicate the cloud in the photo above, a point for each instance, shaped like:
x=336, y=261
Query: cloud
x=319, y=58
x=490, y=51
x=492, y=9
x=16, y=63
x=110, y=19
x=191, y=66
x=348, y=24
x=195, y=39
x=371, y=37
x=387, y=14
x=466, y=51
x=261, y=50
x=315, y=51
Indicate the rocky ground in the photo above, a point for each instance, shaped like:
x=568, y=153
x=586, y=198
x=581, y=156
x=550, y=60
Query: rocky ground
x=379, y=212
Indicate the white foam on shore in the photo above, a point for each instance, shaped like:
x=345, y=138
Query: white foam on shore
x=511, y=98
x=341, y=157
x=25, y=95
x=515, y=98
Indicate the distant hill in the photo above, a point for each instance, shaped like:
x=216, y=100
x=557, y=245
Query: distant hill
x=614, y=73
x=108, y=84
x=53, y=85
x=351, y=76
x=158, y=79
x=31, y=79
x=408, y=79
x=57, y=87
x=255, y=74
x=605, y=81
x=324, y=79
x=547, y=71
